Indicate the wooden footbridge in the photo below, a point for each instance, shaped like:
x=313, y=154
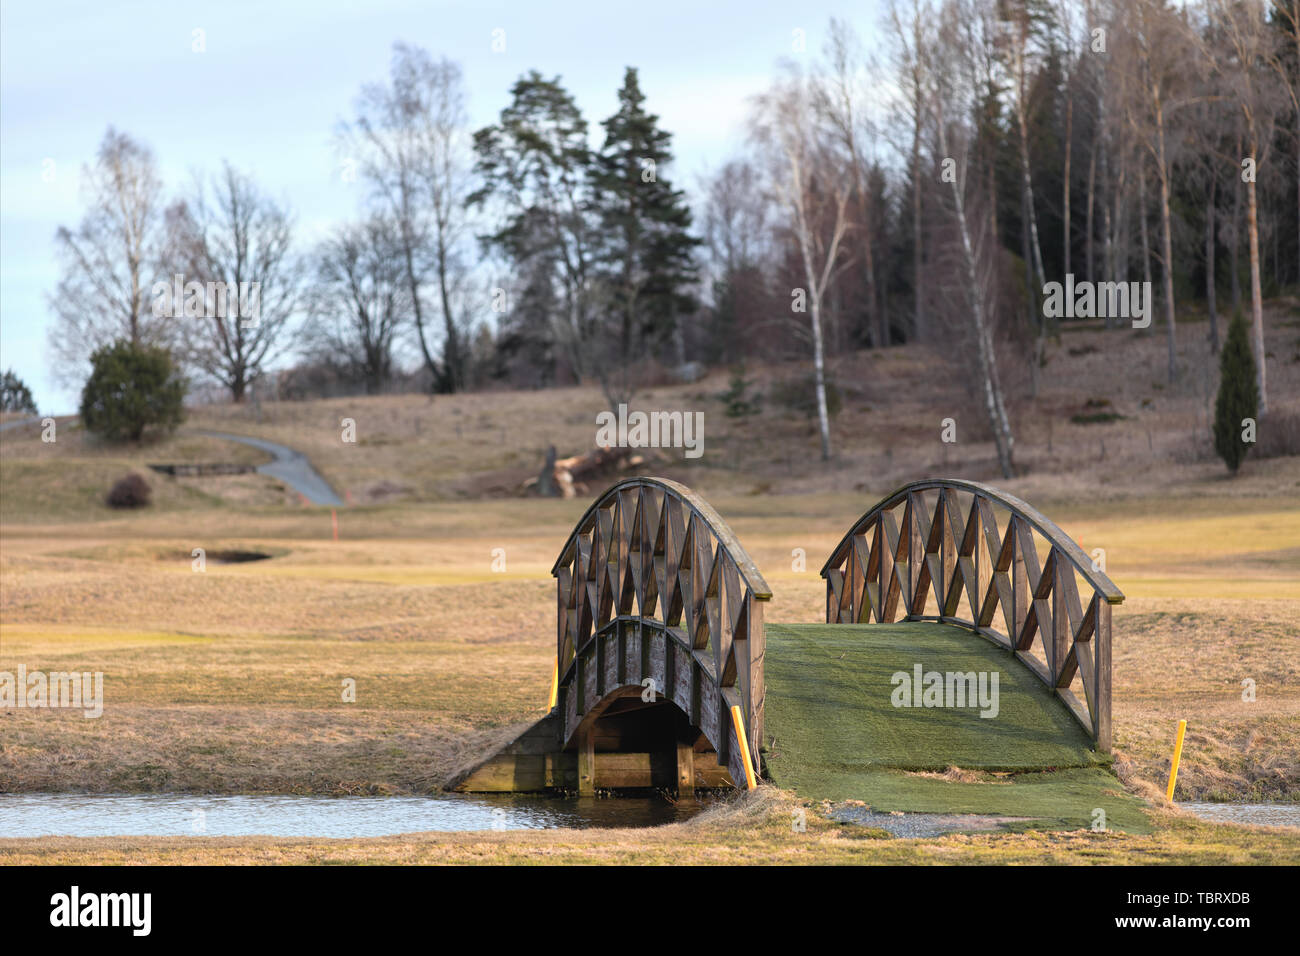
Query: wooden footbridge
x=665, y=677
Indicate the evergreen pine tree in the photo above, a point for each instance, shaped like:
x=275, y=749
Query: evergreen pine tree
x=1238, y=396
x=646, y=259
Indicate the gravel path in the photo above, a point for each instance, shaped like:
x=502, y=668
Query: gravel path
x=18, y=423
x=291, y=467
x=920, y=825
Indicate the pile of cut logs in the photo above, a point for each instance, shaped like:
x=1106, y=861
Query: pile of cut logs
x=570, y=477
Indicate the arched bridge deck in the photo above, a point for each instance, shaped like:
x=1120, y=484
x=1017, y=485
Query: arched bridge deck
x=661, y=649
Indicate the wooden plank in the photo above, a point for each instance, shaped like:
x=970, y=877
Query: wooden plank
x=1062, y=637
x=1020, y=586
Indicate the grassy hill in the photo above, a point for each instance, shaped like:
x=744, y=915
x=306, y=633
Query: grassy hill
x=1103, y=421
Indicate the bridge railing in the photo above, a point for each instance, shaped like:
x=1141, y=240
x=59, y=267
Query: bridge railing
x=653, y=585
x=1016, y=583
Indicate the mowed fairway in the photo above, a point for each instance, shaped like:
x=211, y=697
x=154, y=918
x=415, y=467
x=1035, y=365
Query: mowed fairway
x=232, y=679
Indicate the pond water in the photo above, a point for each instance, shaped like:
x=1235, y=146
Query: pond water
x=177, y=814
x=1259, y=814
x=85, y=815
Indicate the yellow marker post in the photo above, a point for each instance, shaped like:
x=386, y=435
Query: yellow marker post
x=750, y=782
x=1178, y=756
x=555, y=684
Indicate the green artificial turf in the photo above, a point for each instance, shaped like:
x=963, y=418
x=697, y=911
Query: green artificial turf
x=832, y=731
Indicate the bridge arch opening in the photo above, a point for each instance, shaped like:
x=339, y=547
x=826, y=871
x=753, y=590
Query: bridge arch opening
x=634, y=739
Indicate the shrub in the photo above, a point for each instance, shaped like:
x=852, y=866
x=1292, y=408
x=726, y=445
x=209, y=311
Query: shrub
x=130, y=491
x=15, y=396
x=739, y=401
x=800, y=395
x=1238, y=396
x=131, y=387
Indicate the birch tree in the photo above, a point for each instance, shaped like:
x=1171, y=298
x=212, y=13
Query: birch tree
x=950, y=103
x=842, y=98
x=1242, y=56
x=1025, y=22
x=110, y=261
x=810, y=182
x=408, y=136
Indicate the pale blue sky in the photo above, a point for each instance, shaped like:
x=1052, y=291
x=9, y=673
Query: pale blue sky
x=277, y=77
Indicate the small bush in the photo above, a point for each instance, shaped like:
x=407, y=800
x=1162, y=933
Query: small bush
x=15, y=396
x=800, y=395
x=131, y=387
x=1238, y=397
x=738, y=398
x=131, y=491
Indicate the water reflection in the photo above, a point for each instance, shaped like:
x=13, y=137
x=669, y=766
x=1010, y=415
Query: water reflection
x=1258, y=814
x=62, y=814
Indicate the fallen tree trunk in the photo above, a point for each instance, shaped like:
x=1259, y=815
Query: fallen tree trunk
x=570, y=477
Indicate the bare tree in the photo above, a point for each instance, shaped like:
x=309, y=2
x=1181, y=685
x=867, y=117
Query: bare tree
x=361, y=300
x=1063, y=14
x=110, y=261
x=1246, y=47
x=735, y=220
x=1284, y=58
x=409, y=138
x=951, y=101
x=1159, y=42
x=841, y=96
x=237, y=242
x=1025, y=25
x=907, y=29
x=809, y=180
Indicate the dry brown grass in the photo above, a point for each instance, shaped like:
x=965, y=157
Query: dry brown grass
x=229, y=681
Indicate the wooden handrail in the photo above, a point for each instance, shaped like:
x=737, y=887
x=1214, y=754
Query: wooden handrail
x=1040, y=522
x=745, y=564
x=883, y=566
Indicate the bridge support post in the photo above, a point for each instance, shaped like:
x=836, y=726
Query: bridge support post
x=1101, y=641
x=685, y=769
x=586, y=763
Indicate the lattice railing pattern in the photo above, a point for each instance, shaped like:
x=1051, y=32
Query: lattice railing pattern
x=993, y=564
x=653, y=584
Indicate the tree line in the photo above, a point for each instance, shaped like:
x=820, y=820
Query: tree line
x=932, y=189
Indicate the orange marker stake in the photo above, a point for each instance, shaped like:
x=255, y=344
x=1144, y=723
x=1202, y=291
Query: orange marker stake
x=334, y=519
